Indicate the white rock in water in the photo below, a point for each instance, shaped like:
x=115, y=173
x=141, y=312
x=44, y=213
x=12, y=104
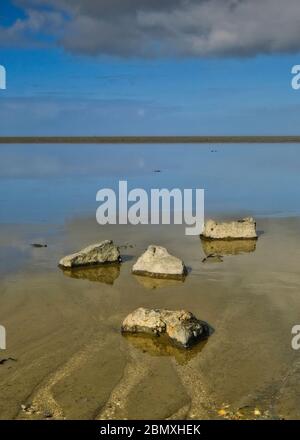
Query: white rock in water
x=104, y=252
x=182, y=327
x=245, y=228
x=157, y=262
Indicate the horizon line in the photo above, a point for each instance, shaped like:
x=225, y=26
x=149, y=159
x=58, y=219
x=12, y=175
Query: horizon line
x=167, y=139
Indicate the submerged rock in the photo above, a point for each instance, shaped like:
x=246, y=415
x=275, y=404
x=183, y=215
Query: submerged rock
x=239, y=229
x=157, y=262
x=182, y=327
x=104, y=252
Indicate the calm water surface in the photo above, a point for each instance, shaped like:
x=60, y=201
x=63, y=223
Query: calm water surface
x=49, y=183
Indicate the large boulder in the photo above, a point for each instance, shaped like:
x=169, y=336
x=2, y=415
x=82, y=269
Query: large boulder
x=182, y=327
x=239, y=229
x=99, y=253
x=157, y=262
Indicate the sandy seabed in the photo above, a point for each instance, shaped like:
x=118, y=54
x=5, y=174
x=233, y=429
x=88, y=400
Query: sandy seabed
x=67, y=359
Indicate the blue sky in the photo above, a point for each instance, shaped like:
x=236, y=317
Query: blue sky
x=54, y=87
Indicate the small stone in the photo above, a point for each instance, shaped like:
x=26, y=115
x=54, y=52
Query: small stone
x=240, y=229
x=100, y=253
x=38, y=245
x=9, y=359
x=182, y=327
x=213, y=258
x=47, y=414
x=157, y=262
x=27, y=408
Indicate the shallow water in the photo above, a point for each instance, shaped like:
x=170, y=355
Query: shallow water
x=52, y=183
x=69, y=359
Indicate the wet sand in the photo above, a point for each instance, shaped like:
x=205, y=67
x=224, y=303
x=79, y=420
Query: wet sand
x=69, y=359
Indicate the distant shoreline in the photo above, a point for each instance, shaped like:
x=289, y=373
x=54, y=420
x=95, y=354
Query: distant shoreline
x=146, y=139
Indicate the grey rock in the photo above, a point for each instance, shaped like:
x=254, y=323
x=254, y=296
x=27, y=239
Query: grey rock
x=100, y=253
x=239, y=229
x=182, y=327
x=157, y=262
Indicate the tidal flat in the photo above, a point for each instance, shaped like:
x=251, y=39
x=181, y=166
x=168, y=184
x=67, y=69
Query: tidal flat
x=66, y=357
x=70, y=360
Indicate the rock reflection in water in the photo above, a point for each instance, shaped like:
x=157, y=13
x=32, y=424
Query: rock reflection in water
x=161, y=346
x=157, y=283
x=228, y=247
x=103, y=274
